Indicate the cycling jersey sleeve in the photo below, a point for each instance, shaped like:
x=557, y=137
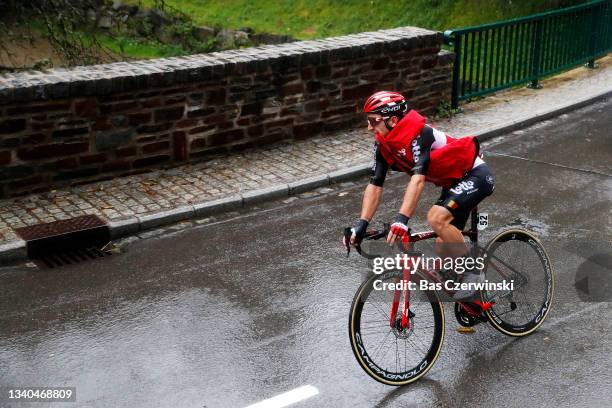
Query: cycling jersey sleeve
x=379, y=168
x=421, y=147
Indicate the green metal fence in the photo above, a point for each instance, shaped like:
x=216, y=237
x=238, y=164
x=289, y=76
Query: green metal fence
x=500, y=55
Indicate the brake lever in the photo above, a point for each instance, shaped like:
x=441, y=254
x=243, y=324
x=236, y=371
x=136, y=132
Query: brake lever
x=347, y=240
x=348, y=233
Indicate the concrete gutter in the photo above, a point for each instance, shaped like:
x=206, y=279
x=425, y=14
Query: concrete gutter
x=16, y=250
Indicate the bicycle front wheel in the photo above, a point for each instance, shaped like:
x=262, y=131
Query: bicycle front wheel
x=391, y=352
x=518, y=256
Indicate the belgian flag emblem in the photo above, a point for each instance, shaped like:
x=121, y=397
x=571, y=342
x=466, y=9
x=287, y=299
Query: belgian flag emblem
x=452, y=205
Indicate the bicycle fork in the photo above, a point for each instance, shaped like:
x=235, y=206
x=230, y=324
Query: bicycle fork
x=397, y=295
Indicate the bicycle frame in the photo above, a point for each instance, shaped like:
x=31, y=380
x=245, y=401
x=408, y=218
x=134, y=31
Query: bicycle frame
x=475, y=309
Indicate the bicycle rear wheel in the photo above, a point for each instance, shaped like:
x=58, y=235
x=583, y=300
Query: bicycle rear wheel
x=395, y=355
x=517, y=255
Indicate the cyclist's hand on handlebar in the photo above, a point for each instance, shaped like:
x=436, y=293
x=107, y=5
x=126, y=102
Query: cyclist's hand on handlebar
x=357, y=233
x=399, y=230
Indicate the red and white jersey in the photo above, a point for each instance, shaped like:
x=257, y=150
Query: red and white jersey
x=447, y=158
x=442, y=138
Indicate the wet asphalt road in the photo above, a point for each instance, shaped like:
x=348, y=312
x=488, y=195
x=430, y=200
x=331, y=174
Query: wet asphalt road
x=237, y=311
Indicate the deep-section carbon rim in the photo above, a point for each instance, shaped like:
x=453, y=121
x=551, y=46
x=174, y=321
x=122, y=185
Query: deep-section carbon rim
x=392, y=356
x=519, y=255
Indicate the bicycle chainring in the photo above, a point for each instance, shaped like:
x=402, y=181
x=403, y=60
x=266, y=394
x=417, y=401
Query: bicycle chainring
x=464, y=318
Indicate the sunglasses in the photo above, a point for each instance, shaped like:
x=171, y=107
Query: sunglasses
x=375, y=121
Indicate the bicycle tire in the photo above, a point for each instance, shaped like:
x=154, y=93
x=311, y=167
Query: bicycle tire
x=381, y=374
x=494, y=313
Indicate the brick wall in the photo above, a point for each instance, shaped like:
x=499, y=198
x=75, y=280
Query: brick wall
x=67, y=126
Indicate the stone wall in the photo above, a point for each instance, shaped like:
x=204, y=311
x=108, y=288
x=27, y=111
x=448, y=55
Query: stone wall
x=67, y=126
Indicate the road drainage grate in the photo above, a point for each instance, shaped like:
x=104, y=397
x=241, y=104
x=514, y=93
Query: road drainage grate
x=75, y=256
x=67, y=242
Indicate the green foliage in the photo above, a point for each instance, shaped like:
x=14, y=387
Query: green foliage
x=181, y=33
x=80, y=42
x=445, y=110
x=139, y=48
x=307, y=19
x=141, y=38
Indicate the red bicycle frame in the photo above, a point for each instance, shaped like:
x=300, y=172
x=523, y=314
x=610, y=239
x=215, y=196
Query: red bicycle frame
x=475, y=308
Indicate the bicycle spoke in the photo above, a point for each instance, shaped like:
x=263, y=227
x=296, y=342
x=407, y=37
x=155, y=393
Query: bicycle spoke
x=396, y=356
x=499, y=295
x=381, y=344
x=379, y=327
x=426, y=327
x=503, y=313
x=373, y=331
x=379, y=308
x=416, y=337
x=416, y=346
x=405, y=358
x=370, y=324
x=529, y=305
x=386, y=350
x=378, y=330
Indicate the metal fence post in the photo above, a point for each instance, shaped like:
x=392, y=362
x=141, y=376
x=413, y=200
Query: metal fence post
x=450, y=38
x=456, y=71
x=592, y=38
x=537, y=56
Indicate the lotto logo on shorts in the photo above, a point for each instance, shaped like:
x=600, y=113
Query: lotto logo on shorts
x=452, y=204
x=463, y=186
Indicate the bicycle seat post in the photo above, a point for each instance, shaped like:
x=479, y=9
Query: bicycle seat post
x=474, y=219
x=474, y=227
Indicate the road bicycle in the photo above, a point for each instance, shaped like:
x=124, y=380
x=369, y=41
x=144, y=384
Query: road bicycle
x=397, y=334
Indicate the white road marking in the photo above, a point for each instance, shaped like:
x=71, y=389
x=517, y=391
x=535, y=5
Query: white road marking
x=287, y=398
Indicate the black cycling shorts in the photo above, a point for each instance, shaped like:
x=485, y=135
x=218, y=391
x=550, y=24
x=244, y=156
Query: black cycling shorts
x=465, y=194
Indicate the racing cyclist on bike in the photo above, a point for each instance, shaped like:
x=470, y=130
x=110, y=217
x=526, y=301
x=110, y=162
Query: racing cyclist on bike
x=405, y=142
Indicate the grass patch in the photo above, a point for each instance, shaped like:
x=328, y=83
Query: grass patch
x=317, y=18
x=299, y=19
x=139, y=48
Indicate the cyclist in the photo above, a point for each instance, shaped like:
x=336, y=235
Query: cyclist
x=405, y=142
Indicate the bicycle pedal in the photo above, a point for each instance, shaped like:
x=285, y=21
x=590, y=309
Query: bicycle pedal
x=465, y=330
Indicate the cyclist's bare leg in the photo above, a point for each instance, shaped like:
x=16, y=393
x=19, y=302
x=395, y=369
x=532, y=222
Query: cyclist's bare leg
x=439, y=218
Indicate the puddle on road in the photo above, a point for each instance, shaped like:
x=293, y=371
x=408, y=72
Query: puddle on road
x=538, y=227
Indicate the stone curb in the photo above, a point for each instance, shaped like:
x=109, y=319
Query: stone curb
x=13, y=251
x=262, y=194
x=303, y=185
x=159, y=218
x=123, y=227
x=233, y=202
x=16, y=250
x=349, y=173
